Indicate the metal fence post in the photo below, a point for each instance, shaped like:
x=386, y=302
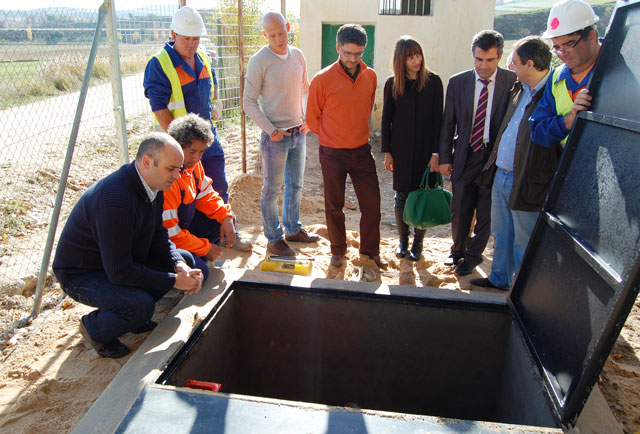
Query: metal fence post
x=116, y=81
x=55, y=215
x=243, y=126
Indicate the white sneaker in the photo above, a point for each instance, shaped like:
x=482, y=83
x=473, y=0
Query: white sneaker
x=241, y=245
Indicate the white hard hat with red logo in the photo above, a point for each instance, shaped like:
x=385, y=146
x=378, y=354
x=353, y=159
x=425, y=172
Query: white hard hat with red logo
x=569, y=16
x=188, y=22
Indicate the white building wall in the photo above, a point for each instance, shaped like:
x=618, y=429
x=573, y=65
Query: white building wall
x=445, y=35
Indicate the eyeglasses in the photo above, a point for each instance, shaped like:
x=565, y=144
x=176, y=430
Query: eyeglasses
x=567, y=46
x=357, y=55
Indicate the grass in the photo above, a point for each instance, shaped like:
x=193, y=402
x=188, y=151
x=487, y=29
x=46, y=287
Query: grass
x=30, y=72
x=15, y=70
x=28, y=81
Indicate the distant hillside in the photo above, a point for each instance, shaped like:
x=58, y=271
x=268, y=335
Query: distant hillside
x=516, y=25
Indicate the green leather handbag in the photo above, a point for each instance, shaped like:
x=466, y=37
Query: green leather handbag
x=428, y=207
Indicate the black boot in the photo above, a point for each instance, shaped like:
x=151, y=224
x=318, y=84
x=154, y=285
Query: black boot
x=416, y=247
x=403, y=232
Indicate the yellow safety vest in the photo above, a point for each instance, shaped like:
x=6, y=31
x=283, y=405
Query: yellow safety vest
x=176, y=101
x=561, y=96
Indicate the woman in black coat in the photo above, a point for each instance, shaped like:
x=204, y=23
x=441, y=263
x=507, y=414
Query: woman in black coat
x=411, y=118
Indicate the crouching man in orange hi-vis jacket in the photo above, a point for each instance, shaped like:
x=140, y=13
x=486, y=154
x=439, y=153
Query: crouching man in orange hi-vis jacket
x=196, y=217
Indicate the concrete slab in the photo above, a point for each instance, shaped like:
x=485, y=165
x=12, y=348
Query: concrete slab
x=148, y=362
x=177, y=412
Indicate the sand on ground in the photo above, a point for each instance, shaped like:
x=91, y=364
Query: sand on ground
x=51, y=376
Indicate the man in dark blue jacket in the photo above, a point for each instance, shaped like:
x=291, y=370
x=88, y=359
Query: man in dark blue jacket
x=114, y=253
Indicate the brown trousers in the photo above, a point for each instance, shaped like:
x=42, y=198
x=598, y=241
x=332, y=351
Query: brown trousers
x=359, y=164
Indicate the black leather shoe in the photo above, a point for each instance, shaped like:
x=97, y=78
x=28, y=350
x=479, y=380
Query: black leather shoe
x=113, y=350
x=464, y=268
x=483, y=282
x=452, y=260
x=402, y=249
x=146, y=327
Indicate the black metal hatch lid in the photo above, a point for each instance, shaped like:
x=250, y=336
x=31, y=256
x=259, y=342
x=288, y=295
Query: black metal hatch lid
x=581, y=272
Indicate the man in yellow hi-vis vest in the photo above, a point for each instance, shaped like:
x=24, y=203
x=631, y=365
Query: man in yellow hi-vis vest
x=178, y=80
x=571, y=28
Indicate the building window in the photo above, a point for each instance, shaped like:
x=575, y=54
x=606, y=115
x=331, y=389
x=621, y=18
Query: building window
x=405, y=7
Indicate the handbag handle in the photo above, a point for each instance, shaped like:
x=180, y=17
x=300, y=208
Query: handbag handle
x=425, y=183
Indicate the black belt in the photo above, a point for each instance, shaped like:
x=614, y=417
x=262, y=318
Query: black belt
x=293, y=130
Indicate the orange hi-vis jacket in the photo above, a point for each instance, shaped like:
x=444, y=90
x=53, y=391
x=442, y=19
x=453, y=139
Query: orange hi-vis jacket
x=193, y=188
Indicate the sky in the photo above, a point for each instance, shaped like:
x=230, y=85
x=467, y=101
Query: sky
x=268, y=5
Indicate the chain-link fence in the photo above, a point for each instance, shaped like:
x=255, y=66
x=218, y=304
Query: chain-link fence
x=43, y=57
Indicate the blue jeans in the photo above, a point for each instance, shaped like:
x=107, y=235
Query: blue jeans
x=213, y=162
x=512, y=230
x=120, y=309
x=282, y=160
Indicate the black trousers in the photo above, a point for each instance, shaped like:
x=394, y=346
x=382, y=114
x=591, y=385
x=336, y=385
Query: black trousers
x=467, y=198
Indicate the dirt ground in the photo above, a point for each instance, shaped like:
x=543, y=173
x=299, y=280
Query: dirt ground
x=49, y=376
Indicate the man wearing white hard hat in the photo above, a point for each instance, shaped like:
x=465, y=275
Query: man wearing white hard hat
x=178, y=80
x=571, y=28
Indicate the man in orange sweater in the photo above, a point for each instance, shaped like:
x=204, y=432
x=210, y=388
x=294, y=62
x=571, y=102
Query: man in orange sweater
x=195, y=215
x=341, y=98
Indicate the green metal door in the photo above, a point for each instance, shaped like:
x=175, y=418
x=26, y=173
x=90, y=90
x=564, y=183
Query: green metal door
x=329, y=54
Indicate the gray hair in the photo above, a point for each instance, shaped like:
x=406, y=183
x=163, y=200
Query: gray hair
x=190, y=127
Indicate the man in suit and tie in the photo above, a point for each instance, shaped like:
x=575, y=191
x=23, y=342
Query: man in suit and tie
x=475, y=104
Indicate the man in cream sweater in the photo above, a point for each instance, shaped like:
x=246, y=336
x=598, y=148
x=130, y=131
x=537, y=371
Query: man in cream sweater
x=275, y=87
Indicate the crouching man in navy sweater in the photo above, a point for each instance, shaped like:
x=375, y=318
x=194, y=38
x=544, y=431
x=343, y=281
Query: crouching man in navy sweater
x=114, y=253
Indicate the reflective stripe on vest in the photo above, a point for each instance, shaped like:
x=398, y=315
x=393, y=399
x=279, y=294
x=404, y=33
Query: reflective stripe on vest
x=561, y=96
x=176, y=103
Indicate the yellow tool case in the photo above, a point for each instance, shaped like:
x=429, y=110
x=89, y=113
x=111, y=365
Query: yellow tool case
x=287, y=264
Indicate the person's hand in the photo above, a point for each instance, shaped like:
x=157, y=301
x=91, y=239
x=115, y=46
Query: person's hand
x=216, y=110
x=214, y=252
x=433, y=163
x=581, y=103
x=182, y=267
x=197, y=274
x=445, y=169
x=388, y=161
x=227, y=233
x=304, y=129
x=279, y=135
x=188, y=280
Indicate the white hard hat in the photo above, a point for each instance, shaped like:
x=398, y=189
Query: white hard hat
x=188, y=22
x=569, y=16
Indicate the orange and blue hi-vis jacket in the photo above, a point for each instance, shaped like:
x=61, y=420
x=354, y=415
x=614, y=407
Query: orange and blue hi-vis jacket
x=191, y=192
x=196, y=87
